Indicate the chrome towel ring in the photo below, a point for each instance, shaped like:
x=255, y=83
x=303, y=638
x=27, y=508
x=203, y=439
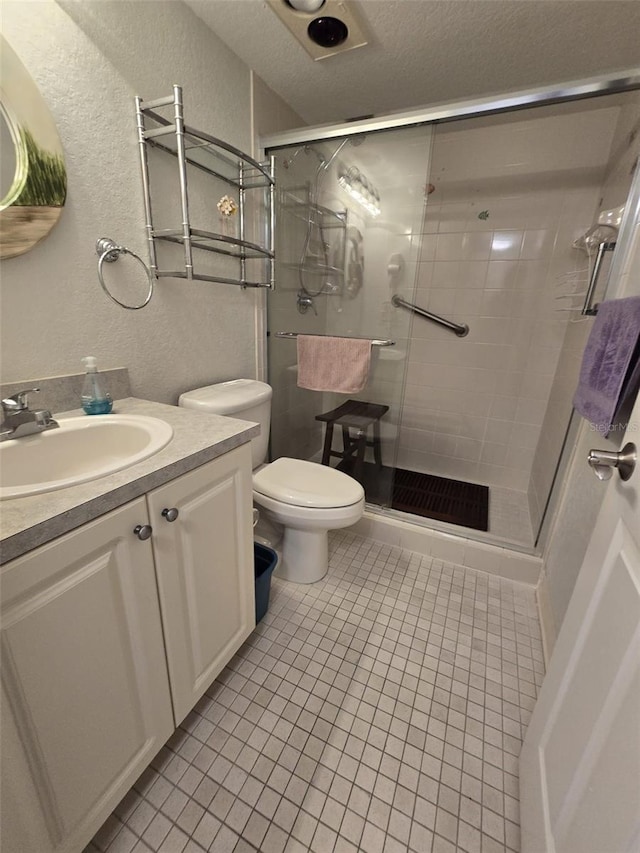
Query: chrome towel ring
x=109, y=251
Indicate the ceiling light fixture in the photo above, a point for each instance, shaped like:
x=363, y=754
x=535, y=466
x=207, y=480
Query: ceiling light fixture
x=306, y=5
x=359, y=188
x=323, y=27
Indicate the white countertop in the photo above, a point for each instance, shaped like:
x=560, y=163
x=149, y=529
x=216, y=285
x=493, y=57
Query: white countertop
x=26, y=523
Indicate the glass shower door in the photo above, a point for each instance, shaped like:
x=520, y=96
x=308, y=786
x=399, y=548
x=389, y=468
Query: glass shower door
x=349, y=219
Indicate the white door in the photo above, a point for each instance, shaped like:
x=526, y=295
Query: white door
x=85, y=692
x=204, y=563
x=580, y=761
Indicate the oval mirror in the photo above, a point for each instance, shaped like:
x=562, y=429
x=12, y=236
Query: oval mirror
x=8, y=155
x=33, y=178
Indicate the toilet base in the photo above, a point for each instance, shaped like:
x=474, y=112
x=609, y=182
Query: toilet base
x=305, y=543
x=305, y=555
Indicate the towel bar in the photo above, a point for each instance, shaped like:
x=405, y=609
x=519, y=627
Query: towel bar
x=374, y=343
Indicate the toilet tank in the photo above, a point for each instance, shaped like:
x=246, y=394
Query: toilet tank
x=245, y=399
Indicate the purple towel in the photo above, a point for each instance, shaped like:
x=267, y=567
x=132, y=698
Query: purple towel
x=606, y=361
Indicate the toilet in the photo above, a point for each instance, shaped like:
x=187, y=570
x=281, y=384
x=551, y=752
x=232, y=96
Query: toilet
x=306, y=498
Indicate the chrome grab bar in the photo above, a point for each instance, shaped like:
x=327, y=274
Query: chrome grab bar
x=460, y=330
x=588, y=309
x=374, y=343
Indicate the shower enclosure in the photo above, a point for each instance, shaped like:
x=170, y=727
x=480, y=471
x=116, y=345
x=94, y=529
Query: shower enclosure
x=345, y=243
x=459, y=247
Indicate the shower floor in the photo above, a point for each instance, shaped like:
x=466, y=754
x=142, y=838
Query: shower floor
x=425, y=495
x=510, y=516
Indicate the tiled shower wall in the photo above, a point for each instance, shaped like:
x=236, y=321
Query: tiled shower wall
x=510, y=197
x=556, y=419
x=625, y=150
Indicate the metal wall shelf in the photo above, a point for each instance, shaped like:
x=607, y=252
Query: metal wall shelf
x=223, y=162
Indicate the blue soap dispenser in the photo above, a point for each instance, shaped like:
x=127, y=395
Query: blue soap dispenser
x=95, y=400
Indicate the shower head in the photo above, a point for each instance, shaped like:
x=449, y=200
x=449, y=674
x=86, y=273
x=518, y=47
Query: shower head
x=287, y=161
x=356, y=140
x=307, y=149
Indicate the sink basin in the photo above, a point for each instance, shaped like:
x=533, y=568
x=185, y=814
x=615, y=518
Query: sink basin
x=81, y=449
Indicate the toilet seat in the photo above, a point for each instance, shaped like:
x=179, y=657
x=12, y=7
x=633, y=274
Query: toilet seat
x=310, y=517
x=306, y=484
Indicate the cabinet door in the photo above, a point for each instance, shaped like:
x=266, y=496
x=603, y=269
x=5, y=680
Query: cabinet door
x=204, y=564
x=85, y=693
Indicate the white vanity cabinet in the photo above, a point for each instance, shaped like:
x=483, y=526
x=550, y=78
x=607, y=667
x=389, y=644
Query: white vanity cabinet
x=89, y=622
x=85, y=694
x=204, y=565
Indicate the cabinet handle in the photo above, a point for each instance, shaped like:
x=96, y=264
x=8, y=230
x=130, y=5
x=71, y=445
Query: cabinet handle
x=143, y=531
x=170, y=514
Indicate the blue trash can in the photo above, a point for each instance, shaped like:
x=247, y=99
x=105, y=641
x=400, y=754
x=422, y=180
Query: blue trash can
x=265, y=560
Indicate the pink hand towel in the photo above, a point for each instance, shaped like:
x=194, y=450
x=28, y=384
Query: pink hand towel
x=333, y=364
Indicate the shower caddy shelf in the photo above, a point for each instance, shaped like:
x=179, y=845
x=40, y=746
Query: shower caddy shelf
x=329, y=218
x=324, y=218
x=223, y=162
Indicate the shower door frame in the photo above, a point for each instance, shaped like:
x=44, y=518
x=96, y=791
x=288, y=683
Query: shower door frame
x=605, y=84
x=613, y=83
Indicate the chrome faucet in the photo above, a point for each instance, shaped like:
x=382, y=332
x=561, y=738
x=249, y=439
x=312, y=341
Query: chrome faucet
x=19, y=420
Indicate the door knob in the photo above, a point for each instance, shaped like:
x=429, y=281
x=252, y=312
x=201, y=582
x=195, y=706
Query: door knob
x=170, y=514
x=143, y=531
x=604, y=461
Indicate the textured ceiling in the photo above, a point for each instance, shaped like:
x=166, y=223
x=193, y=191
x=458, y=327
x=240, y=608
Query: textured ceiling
x=430, y=51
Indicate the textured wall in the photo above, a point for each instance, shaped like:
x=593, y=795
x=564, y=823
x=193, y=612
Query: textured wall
x=270, y=114
x=90, y=59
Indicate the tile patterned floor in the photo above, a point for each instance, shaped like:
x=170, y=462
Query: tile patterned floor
x=379, y=710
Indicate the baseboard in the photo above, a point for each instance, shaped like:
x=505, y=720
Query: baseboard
x=493, y=559
x=545, y=614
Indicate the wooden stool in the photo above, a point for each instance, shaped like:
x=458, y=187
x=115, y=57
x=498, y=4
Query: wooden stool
x=359, y=416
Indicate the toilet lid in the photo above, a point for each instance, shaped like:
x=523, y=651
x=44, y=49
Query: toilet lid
x=300, y=483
